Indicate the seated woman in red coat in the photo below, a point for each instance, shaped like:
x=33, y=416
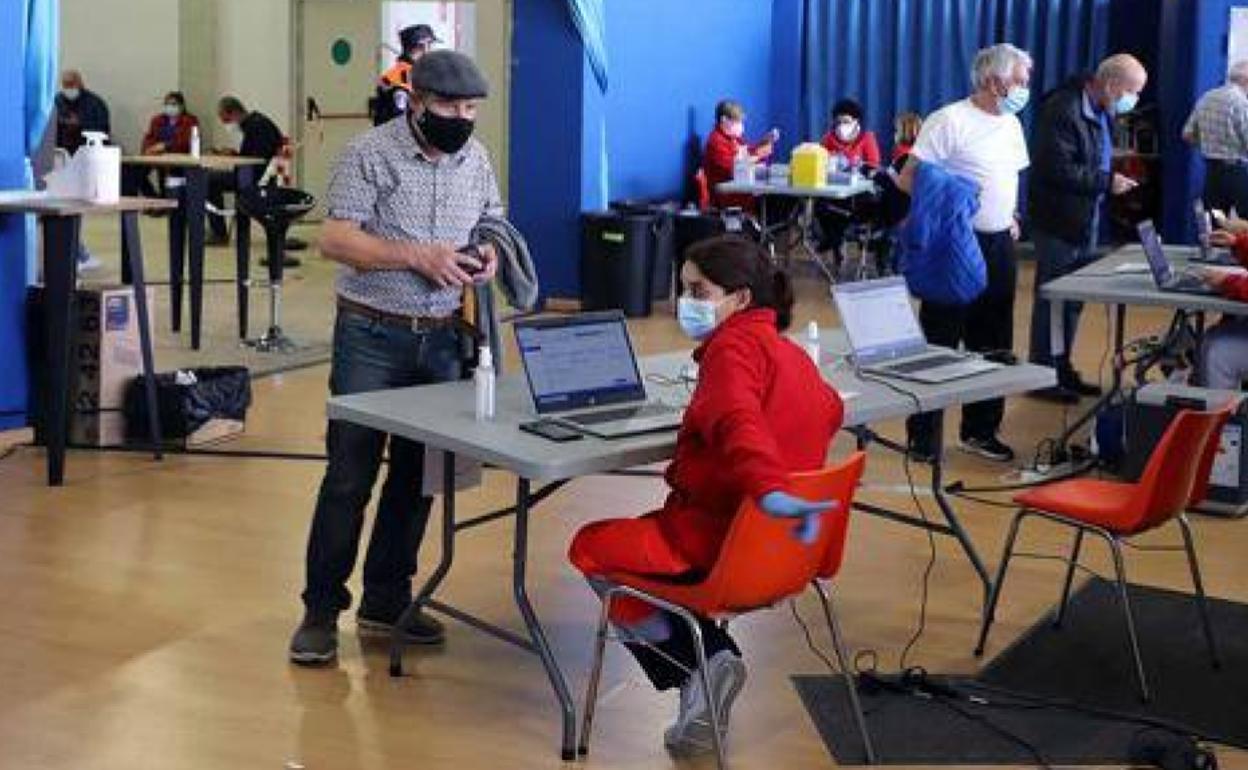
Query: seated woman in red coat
x=726, y=141
x=760, y=411
x=168, y=132
x=847, y=138
x=1224, y=349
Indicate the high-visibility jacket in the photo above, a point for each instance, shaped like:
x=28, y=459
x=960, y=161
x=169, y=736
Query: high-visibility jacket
x=394, y=91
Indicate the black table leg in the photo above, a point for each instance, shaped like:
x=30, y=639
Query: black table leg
x=133, y=256
x=60, y=275
x=177, y=255
x=520, y=556
x=243, y=178
x=196, y=192
x=127, y=278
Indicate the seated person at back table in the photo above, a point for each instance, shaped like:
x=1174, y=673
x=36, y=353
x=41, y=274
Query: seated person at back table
x=845, y=138
x=760, y=412
x=168, y=132
x=906, y=127
x=725, y=143
x=1224, y=349
x=258, y=137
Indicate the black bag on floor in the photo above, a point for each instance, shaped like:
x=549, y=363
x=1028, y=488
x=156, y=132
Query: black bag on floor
x=217, y=392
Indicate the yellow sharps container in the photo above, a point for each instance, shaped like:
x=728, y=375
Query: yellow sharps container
x=808, y=166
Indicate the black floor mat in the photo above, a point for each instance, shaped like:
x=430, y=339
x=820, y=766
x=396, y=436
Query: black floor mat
x=1088, y=659
x=1086, y=662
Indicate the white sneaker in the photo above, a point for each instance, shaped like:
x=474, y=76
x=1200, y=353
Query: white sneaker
x=691, y=734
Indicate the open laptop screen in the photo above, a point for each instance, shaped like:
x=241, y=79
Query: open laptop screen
x=1157, y=262
x=879, y=320
x=579, y=361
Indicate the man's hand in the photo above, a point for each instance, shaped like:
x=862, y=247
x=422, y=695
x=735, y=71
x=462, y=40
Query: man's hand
x=489, y=263
x=1016, y=229
x=1232, y=224
x=1120, y=185
x=1212, y=277
x=1222, y=238
x=441, y=264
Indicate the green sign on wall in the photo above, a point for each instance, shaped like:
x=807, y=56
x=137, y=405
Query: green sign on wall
x=340, y=51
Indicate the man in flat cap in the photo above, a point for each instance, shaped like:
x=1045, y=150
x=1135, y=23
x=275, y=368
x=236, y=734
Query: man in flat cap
x=403, y=197
x=394, y=88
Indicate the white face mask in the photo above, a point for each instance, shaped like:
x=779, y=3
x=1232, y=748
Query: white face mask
x=697, y=317
x=847, y=132
x=71, y=94
x=735, y=128
x=172, y=110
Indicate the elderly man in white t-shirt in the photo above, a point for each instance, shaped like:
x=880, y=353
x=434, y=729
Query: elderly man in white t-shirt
x=980, y=138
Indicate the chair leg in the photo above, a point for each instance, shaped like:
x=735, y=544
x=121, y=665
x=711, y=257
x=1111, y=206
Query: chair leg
x=1201, y=602
x=990, y=611
x=842, y=660
x=1121, y=573
x=1070, y=576
x=699, y=649
x=595, y=673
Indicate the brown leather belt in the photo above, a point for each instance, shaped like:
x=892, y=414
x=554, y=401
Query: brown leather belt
x=414, y=323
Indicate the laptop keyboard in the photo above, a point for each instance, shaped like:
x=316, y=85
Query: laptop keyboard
x=616, y=415
x=919, y=364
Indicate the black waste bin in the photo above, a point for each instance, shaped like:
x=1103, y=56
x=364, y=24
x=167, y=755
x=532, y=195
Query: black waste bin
x=617, y=261
x=663, y=236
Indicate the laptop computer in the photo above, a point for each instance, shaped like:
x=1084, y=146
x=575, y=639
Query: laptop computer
x=1166, y=278
x=885, y=337
x=1204, y=229
x=582, y=373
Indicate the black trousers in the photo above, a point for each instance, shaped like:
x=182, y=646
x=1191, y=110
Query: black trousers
x=1226, y=185
x=985, y=325
x=664, y=673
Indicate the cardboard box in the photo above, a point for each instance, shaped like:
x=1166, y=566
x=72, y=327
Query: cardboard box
x=106, y=356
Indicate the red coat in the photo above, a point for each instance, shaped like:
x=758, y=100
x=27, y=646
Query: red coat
x=1236, y=286
x=760, y=411
x=864, y=149
x=181, y=142
x=717, y=161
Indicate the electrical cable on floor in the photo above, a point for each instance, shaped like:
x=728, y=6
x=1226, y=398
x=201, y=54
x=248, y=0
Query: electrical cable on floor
x=810, y=640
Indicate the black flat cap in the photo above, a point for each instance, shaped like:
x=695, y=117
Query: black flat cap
x=450, y=74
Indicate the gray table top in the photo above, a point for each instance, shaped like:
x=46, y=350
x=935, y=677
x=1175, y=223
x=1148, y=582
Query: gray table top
x=42, y=204
x=442, y=417
x=1098, y=282
x=832, y=191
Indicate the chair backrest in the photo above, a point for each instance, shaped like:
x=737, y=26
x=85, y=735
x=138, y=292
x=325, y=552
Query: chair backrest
x=761, y=560
x=703, y=189
x=1171, y=479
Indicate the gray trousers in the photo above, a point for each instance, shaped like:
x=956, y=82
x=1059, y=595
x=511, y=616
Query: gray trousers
x=1224, y=354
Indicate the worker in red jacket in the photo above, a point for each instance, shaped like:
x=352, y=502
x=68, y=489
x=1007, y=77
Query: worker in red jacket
x=1224, y=349
x=760, y=412
x=168, y=132
x=846, y=136
x=725, y=143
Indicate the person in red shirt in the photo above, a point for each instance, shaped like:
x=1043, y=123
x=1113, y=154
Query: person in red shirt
x=725, y=142
x=906, y=127
x=169, y=131
x=1224, y=349
x=761, y=411
x=847, y=138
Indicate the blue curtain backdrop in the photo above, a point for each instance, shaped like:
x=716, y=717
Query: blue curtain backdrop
x=895, y=56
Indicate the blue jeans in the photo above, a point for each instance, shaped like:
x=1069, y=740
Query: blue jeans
x=1054, y=259
x=369, y=355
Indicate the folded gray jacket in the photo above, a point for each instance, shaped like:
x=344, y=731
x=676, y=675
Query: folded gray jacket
x=516, y=275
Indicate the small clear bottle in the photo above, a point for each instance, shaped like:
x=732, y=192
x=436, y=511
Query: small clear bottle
x=483, y=378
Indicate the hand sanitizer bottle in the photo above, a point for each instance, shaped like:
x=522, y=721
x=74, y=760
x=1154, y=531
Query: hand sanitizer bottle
x=483, y=378
x=194, y=141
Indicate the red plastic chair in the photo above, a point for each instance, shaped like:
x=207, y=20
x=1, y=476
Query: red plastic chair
x=1115, y=511
x=703, y=189
x=760, y=564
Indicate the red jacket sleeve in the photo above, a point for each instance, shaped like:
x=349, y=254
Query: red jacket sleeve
x=1234, y=287
x=734, y=378
x=1239, y=249
x=721, y=152
x=870, y=150
x=153, y=127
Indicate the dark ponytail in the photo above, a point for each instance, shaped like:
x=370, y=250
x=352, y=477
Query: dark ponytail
x=734, y=262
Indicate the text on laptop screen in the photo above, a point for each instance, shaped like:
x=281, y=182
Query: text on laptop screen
x=879, y=320
x=579, y=363
x=1157, y=262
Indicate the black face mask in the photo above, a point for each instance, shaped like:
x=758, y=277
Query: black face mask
x=448, y=135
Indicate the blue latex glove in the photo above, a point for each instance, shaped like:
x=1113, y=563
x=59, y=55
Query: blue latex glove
x=784, y=505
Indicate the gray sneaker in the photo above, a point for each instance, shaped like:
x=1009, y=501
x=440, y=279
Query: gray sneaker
x=421, y=629
x=691, y=734
x=315, y=642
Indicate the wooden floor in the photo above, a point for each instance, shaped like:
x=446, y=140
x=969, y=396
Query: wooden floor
x=148, y=607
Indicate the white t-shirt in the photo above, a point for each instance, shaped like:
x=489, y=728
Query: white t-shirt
x=990, y=149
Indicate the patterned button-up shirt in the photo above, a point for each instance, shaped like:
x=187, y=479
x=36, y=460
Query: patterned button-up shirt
x=385, y=183
x=1219, y=124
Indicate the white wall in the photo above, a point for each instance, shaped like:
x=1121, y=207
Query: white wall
x=127, y=51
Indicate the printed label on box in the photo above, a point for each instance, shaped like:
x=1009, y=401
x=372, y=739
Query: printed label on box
x=1225, y=471
x=116, y=312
